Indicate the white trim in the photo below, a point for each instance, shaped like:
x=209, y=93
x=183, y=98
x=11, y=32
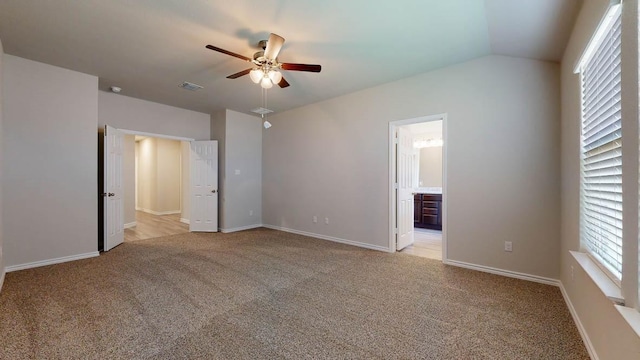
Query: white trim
x=393, y=125
x=330, y=238
x=507, y=273
x=130, y=225
x=583, y=332
x=51, y=261
x=152, y=212
x=2, y=279
x=142, y=133
x=183, y=220
x=604, y=24
x=241, y=228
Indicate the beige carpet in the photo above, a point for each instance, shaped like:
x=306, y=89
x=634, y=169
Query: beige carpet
x=264, y=294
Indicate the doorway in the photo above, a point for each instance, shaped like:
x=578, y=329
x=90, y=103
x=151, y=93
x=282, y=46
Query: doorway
x=155, y=175
x=200, y=197
x=417, y=183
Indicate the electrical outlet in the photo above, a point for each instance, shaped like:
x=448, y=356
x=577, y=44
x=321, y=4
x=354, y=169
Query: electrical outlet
x=250, y=212
x=508, y=246
x=326, y=221
x=315, y=219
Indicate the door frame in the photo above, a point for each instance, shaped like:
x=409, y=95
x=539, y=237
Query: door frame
x=393, y=125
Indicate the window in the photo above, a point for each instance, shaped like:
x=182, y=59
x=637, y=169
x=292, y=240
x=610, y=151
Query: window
x=601, y=147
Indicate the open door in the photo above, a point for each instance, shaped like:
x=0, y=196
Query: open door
x=405, y=178
x=112, y=188
x=204, y=186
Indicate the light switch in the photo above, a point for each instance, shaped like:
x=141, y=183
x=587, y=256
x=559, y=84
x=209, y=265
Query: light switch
x=237, y=172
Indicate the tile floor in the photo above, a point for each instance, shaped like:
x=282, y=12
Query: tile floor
x=427, y=243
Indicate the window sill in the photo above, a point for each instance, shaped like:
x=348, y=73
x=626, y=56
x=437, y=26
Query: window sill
x=632, y=316
x=609, y=288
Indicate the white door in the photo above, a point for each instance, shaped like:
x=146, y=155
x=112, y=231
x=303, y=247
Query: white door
x=204, y=186
x=405, y=177
x=113, y=204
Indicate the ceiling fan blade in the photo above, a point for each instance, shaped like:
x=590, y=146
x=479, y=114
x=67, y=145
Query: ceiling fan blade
x=301, y=67
x=238, y=74
x=211, y=47
x=283, y=83
x=273, y=46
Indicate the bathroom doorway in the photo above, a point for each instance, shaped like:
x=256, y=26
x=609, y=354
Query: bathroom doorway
x=418, y=186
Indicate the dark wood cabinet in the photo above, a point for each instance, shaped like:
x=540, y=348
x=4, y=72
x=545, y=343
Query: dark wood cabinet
x=427, y=211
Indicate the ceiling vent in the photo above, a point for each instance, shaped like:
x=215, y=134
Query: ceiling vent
x=261, y=111
x=190, y=86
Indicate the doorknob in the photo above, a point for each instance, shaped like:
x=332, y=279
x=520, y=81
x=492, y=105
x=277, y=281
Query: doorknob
x=111, y=194
x=214, y=191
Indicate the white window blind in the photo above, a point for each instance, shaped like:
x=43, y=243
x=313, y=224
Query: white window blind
x=601, y=165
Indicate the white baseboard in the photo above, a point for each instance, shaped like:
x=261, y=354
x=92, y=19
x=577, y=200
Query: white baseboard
x=153, y=212
x=576, y=320
x=51, y=261
x=186, y=221
x=2, y=279
x=130, y=225
x=330, y=238
x=507, y=273
x=248, y=227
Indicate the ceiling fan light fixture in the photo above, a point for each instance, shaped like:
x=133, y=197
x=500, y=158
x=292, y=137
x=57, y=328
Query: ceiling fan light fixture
x=256, y=75
x=275, y=76
x=266, y=83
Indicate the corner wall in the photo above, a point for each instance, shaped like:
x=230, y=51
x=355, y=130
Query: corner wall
x=610, y=336
x=50, y=194
x=331, y=159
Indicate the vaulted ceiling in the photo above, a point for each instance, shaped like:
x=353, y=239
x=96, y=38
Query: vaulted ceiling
x=149, y=47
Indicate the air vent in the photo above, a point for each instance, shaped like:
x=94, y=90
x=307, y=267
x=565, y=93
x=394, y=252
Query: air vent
x=261, y=111
x=190, y=86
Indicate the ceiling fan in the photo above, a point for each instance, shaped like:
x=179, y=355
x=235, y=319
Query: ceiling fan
x=266, y=65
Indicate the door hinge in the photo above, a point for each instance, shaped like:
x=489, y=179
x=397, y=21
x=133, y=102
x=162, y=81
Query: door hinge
x=395, y=186
x=395, y=231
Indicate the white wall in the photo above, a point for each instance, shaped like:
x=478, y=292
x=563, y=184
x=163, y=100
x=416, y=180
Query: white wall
x=185, y=200
x=168, y=177
x=128, y=178
x=1, y=172
x=159, y=176
x=330, y=159
x=146, y=174
x=243, y=153
x=50, y=194
x=240, y=169
x=128, y=113
x=610, y=335
x=430, y=169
